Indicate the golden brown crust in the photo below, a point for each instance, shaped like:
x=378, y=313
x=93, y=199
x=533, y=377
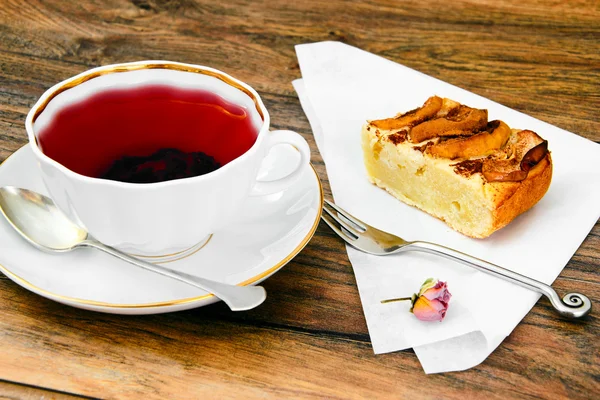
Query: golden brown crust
x=521, y=196
x=512, y=199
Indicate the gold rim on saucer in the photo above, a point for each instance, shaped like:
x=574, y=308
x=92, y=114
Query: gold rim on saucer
x=57, y=297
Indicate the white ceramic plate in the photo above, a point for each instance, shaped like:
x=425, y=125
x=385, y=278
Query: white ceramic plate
x=271, y=231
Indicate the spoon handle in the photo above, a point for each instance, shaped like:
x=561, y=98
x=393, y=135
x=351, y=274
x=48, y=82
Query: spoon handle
x=238, y=298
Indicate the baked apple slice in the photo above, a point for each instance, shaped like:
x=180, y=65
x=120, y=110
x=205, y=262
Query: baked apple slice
x=462, y=121
x=411, y=118
x=513, y=164
x=480, y=144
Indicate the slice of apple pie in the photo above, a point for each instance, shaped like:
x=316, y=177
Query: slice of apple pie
x=448, y=160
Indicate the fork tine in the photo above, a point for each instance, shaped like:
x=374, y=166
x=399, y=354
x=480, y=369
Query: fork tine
x=359, y=224
x=341, y=233
x=340, y=221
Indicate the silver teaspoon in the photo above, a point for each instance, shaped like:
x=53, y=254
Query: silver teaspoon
x=37, y=219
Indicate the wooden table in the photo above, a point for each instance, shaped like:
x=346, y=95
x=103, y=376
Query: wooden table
x=309, y=339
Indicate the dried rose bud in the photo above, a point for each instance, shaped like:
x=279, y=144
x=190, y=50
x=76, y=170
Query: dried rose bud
x=432, y=301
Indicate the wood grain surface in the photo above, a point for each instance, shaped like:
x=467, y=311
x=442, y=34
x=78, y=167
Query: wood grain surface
x=309, y=340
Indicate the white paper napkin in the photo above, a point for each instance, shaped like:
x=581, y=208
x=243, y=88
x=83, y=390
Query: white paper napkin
x=342, y=87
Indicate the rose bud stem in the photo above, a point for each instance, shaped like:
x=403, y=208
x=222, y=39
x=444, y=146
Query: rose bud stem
x=398, y=299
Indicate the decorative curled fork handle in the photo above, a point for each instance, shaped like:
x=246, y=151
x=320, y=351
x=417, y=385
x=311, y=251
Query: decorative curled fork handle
x=572, y=305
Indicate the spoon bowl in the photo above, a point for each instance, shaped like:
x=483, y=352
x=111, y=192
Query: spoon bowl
x=37, y=219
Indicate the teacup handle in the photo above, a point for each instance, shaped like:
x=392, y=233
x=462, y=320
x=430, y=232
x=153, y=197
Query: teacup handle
x=275, y=138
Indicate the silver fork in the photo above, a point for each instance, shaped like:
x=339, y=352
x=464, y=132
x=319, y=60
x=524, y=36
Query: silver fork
x=370, y=240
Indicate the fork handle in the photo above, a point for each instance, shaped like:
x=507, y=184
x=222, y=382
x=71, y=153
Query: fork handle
x=572, y=305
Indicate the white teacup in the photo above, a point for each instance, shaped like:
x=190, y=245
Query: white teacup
x=166, y=217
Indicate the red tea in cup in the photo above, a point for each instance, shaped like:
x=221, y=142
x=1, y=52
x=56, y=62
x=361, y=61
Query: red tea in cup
x=148, y=134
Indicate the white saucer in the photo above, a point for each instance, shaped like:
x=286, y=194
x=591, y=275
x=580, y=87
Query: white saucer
x=272, y=231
